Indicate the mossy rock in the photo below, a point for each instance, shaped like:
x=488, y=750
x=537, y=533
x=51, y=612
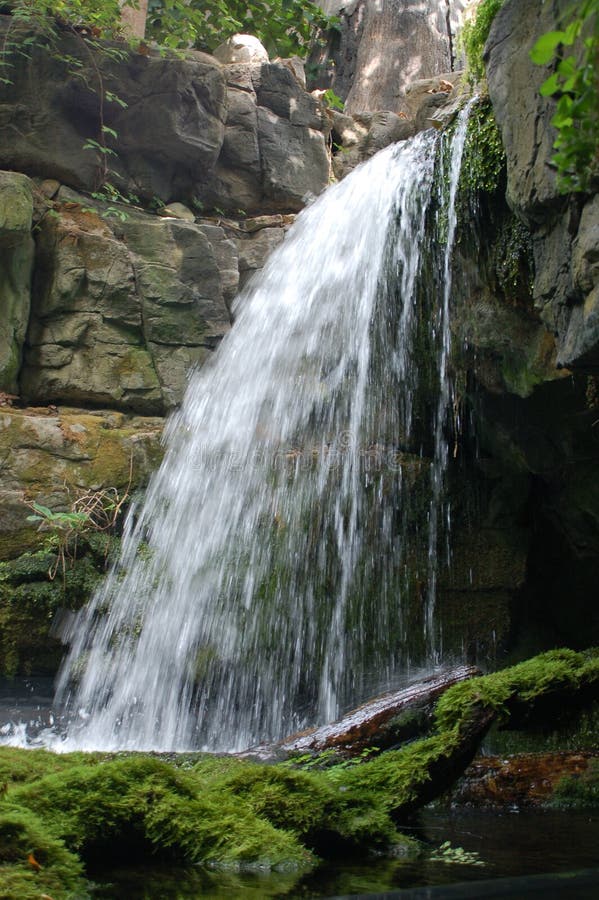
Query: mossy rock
x=36, y=587
x=52, y=458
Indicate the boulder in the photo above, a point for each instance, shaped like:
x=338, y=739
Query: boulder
x=274, y=153
x=254, y=249
x=566, y=285
x=16, y=267
x=357, y=138
x=169, y=117
x=523, y=115
x=241, y=48
x=295, y=165
x=580, y=348
x=162, y=128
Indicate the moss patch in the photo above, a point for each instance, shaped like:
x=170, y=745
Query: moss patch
x=31, y=595
x=578, y=791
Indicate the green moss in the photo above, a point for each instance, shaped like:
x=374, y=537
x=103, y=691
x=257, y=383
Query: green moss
x=33, y=862
x=18, y=767
x=33, y=588
x=474, y=37
x=557, y=671
x=230, y=813
x=483, y=162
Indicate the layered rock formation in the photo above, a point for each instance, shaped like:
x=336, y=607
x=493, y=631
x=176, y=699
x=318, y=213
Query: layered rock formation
x=105, y=305
x=161, y=128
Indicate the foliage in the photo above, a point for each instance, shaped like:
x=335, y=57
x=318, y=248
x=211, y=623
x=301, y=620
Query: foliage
x=332, y=100
x=513, y=259
x=285, y=27
x=575, y=86
x=474, y=35
x=451, y=855
x=91, y=512
x=30, y=600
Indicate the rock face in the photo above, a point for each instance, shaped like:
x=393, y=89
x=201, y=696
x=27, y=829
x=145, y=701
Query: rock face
x=566, y=287
x=121, y=312
x=239, y=136
x=383, y=45
x=112, y=311
x=16, y=267
x=274, y=153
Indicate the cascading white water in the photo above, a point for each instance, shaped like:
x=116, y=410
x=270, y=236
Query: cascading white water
x=270, y=577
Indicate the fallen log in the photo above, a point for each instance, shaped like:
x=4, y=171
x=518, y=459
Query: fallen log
x=383, y=722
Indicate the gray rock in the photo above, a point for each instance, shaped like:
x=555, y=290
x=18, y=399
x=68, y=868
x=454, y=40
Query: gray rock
x=580, y=347
x=523, y=115
x=369, y=133
x=241, y=48
x=53, y=457
x=16, y=267
x=295, y=164
x=168, y=137
x=177, y=211
x=566, y=284
x=254, y=250
x=280, y=91
x=121, y=310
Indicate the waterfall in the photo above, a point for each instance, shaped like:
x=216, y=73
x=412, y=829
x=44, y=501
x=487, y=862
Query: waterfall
x=283, y=563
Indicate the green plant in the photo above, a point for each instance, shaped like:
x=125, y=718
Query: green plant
x=285, y=27
x=484, y=157
x=330, y=99
x=451, y=855
x=578, y=791
x=474, y=35
x=91, y=512
x=575, y=86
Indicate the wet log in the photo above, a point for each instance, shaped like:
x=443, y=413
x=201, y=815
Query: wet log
x=382, y=723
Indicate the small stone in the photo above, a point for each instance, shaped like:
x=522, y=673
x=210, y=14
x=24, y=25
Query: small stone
x=178, y=211
x=241, y=48
x=50, y=187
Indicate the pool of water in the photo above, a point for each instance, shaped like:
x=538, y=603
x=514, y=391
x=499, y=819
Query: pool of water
x=514, y=855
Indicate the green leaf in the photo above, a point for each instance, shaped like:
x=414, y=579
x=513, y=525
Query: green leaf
x=544, y=49
x=551, y=86
x=43, y=510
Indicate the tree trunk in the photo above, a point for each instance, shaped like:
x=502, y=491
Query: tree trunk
x=134, y=20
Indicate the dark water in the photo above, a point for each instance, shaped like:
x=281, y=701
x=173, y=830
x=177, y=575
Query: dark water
x=511, y=855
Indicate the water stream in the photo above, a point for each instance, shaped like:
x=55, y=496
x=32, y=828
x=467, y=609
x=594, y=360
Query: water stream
x=283, y=565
